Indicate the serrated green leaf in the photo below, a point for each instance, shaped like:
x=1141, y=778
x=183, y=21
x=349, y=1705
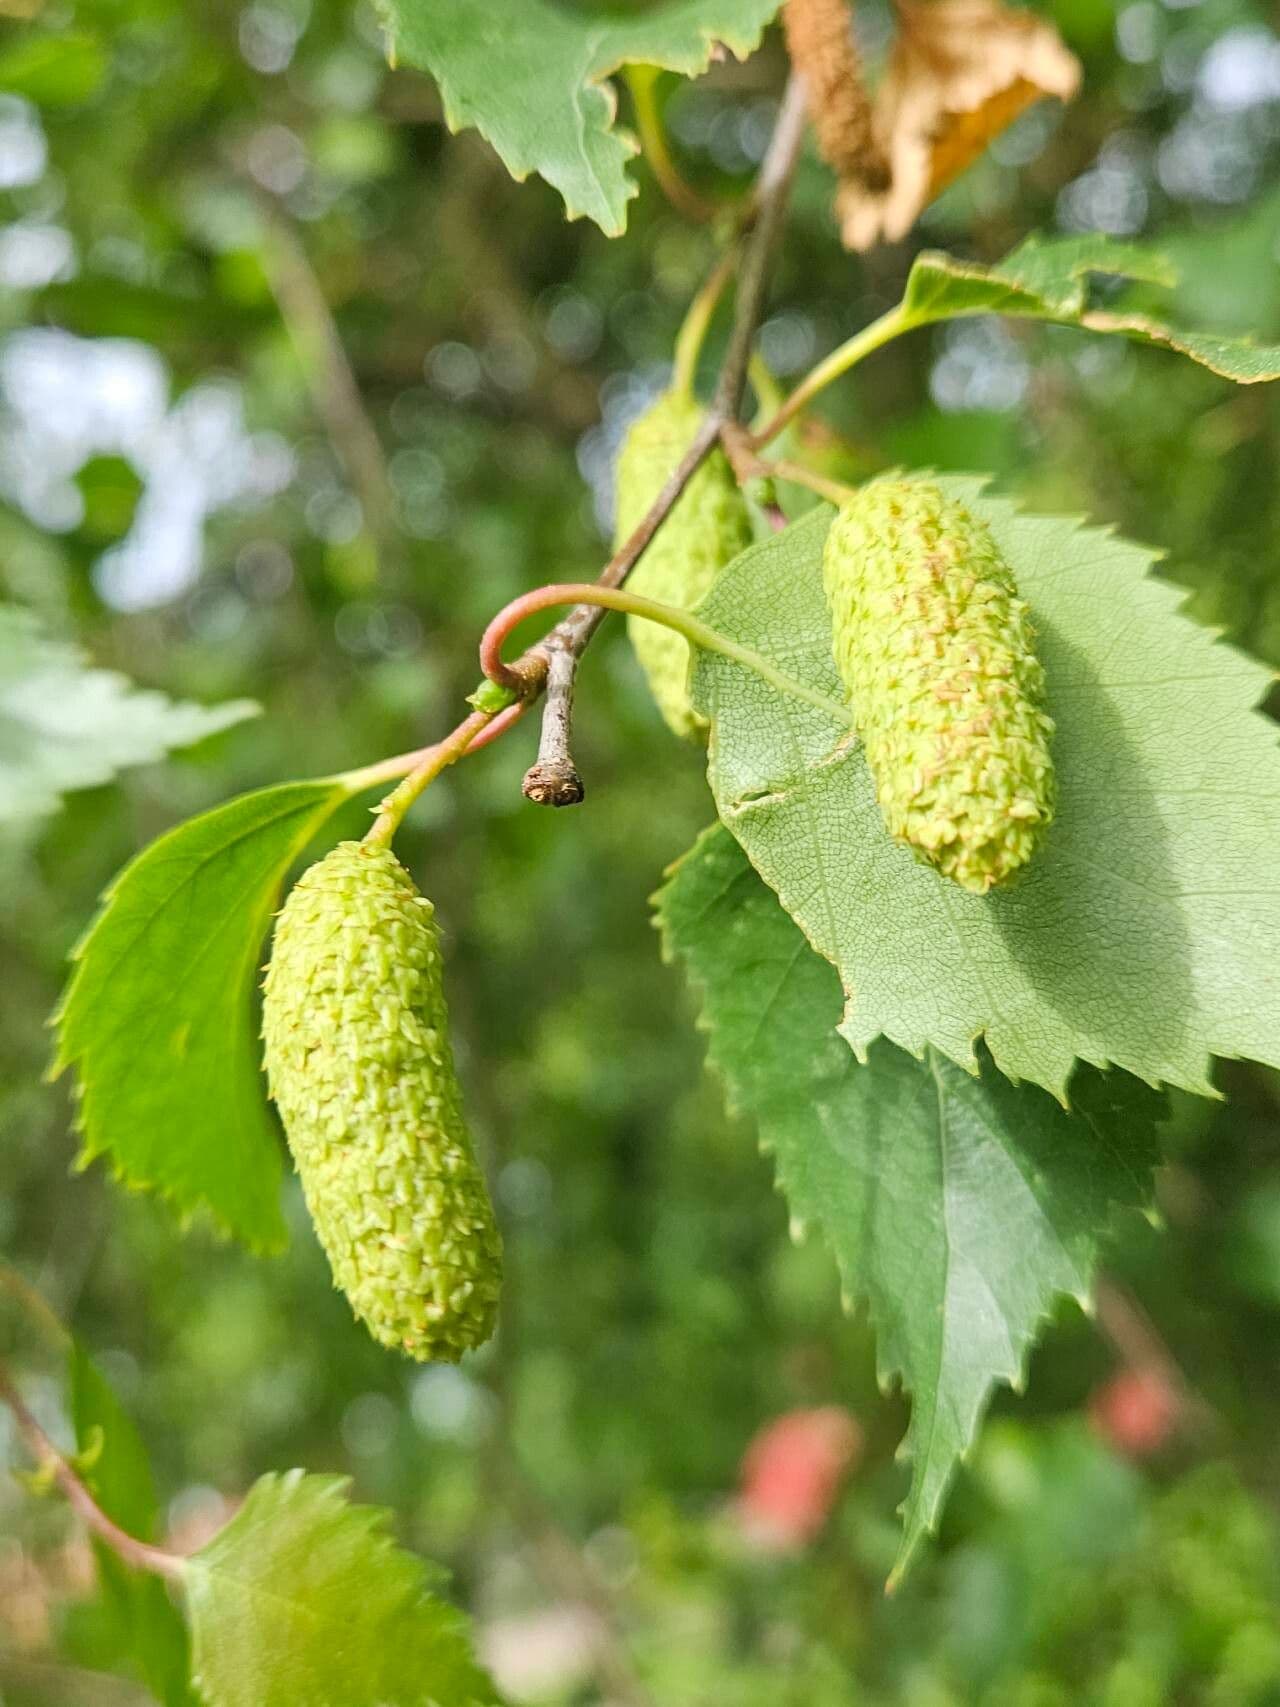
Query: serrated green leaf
x=156, y=1018
x=960, y=1207
x=1146, y=932
x=532, y=79
x=65, y=725
x=152, y=1632
x=1049, y=278
x=305, y=1598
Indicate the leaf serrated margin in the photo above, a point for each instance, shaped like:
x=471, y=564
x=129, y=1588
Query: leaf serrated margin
x=594, y=183
x=800, y=819
x=840, y=1126
x=134, y=1104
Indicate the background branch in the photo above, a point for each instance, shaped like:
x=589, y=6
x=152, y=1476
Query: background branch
x=566, y=1572
x=1126, y=1325
x=334, y=389
x=139, y=1554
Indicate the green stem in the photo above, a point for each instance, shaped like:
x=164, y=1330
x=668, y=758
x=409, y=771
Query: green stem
x=882, y=331
x=769, y=393
x=642, y=80
x=834, y=491
x=693, y=331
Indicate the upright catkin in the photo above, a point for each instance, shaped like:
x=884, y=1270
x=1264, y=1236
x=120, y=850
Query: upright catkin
x=359, y=1063
x=707, y=527
x=937, y=653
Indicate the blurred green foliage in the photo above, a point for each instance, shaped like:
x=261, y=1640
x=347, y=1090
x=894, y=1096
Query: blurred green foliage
x=184, y=496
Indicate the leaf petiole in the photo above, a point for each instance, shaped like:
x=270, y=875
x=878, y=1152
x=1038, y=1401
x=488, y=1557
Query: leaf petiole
x=890, y=325
x=697, y=633
x=693, y=331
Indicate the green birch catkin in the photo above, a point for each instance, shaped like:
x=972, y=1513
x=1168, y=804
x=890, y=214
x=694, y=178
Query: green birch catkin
x=708, y=527
x=937, y=654
x=359, y=1063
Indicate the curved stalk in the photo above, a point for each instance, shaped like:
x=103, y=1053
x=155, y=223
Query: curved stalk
x=697, y=633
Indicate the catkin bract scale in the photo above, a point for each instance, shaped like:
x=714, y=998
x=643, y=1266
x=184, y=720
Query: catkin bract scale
x=937, y=653
x=707, y=528
x=358, y=1060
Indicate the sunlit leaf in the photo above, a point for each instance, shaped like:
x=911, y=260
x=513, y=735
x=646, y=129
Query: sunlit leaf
x=1155, y=901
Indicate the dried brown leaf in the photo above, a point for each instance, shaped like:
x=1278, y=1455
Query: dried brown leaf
x=960, y=72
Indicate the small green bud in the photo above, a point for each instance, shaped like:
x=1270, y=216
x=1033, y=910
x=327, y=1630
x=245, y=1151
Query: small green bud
x=706, y=529
x=937, y=653
x=358, y=1060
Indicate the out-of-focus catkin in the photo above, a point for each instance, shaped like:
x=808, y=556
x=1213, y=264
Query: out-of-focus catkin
x=359, y=1063
x=707, y=527
x=821, y=43
x=937, y=653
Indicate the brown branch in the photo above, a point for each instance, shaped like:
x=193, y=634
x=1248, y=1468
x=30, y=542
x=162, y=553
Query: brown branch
x=141, y=1555
x=553, y=780
x=773, y=190
x=566, y=1572
x=571, y=636
x=527, y=676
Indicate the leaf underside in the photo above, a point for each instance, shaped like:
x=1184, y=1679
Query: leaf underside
x=1049, y=279
x=960, y=1207
x=156, y=1018
x=1145, y=934
x=532, y=79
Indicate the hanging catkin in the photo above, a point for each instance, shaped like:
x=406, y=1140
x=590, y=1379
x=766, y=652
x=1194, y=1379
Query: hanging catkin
x=359, y=1064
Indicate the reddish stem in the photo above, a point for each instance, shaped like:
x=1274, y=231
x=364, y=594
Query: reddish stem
x=510, y=617
x=140, y=1554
